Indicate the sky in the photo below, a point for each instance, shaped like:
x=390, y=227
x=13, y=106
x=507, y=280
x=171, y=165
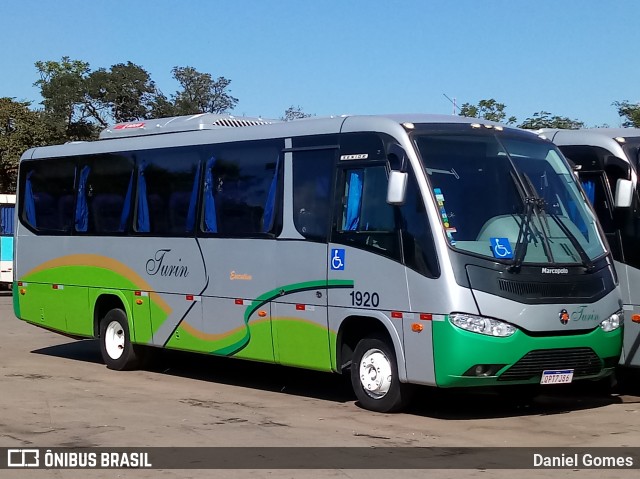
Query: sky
x=572, y=58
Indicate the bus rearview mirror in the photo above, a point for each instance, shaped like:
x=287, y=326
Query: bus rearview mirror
x=624, y=193
x=397, y=187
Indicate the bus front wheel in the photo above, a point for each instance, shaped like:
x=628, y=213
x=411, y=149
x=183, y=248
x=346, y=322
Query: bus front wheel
x=374, y=377
x=115, y=343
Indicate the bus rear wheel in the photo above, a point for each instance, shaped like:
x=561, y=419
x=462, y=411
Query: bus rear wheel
x=374, y=377
x=117, y=351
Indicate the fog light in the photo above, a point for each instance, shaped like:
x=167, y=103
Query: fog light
x=484, y=370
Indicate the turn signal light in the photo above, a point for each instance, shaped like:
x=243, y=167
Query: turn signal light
x=417, y=327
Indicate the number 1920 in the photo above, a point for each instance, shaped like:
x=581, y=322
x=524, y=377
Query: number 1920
x=364, y=298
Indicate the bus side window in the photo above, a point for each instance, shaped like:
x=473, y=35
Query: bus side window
x=44, y=195
x=168, y=184
x=104, y=195
x=241, y=197
x=312, y=175
x=365, y=219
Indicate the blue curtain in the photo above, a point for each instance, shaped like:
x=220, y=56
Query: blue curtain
x=29, y=202
x=590, y=189
x=143, y=222
x=6, y=227
x=269, y=207
x=193, y=201
x=124, y=217
x=354, y=201
x=210, y=220
x=82, y=210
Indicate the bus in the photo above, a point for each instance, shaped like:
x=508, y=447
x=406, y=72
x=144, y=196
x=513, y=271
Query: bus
x=7, y=209
x=400, y=250
x=607, y=161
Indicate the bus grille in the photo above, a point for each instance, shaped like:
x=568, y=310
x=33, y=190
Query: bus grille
x=530, y=289
x=583, y=361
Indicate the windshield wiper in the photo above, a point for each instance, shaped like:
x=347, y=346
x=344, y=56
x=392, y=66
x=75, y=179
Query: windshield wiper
x=533, y=204
x=527, y=231
x=584, y=257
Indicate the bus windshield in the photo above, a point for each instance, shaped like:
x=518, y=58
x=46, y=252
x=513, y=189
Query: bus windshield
x=510, y=197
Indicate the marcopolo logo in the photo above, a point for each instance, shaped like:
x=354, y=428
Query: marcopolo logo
x=564, y=316
x=555, y=271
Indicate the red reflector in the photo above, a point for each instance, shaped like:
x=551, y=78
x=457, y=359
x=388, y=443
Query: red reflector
x=300, y=307
x=239, y=301
x=189, y=297
x=19, y=283
x=138, y=293
x=396, y=314
x=426, y=316
x=54, y=286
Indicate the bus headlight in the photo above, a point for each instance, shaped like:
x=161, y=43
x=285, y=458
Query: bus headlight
x=482, y=325
x=613, y=322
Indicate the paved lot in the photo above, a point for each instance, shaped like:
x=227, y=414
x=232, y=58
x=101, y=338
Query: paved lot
x=55, y=392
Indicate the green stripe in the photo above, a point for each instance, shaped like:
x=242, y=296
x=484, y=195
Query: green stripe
x=269, y=296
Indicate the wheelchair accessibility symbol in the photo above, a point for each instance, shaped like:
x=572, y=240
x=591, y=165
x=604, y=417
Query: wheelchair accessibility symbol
x=501, y=248
x=337, y=259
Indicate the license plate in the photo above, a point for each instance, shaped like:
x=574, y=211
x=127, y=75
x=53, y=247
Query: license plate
x=557, y=376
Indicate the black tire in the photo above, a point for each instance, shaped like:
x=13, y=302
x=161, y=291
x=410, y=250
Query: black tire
x=394, y=395
x=117, y=351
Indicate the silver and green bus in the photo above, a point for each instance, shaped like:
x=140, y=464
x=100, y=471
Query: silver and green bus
x=607, y=162
x=402, y=250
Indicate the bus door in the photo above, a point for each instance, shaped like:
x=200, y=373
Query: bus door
x=597, y=187
x=300, y=328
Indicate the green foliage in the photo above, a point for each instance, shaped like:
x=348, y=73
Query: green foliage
x=294, y=113
x=629, y=111
x=123, y=93
x=487, y=109
x=79, y=102
x=20, y=129
x=200, y=93
x=543, y=119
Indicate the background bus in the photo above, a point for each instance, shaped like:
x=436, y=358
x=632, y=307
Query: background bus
x=607, y=160
x=402, y=250
x=7, y=209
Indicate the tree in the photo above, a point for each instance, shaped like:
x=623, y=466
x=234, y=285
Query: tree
x=543, y=119
x=63, y=89
x=200, y=93
x=294, y=113
x=123, y=93
x=487, y=109
x=20, y=129
x=629, y=111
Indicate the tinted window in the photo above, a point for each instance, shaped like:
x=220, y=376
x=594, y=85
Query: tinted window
x=104, y=191
x=48, y=195
x=167, y=196
x=241, y=189
x=417, y=239
x=364, y=217
x=312, y=176
x=6, y=220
